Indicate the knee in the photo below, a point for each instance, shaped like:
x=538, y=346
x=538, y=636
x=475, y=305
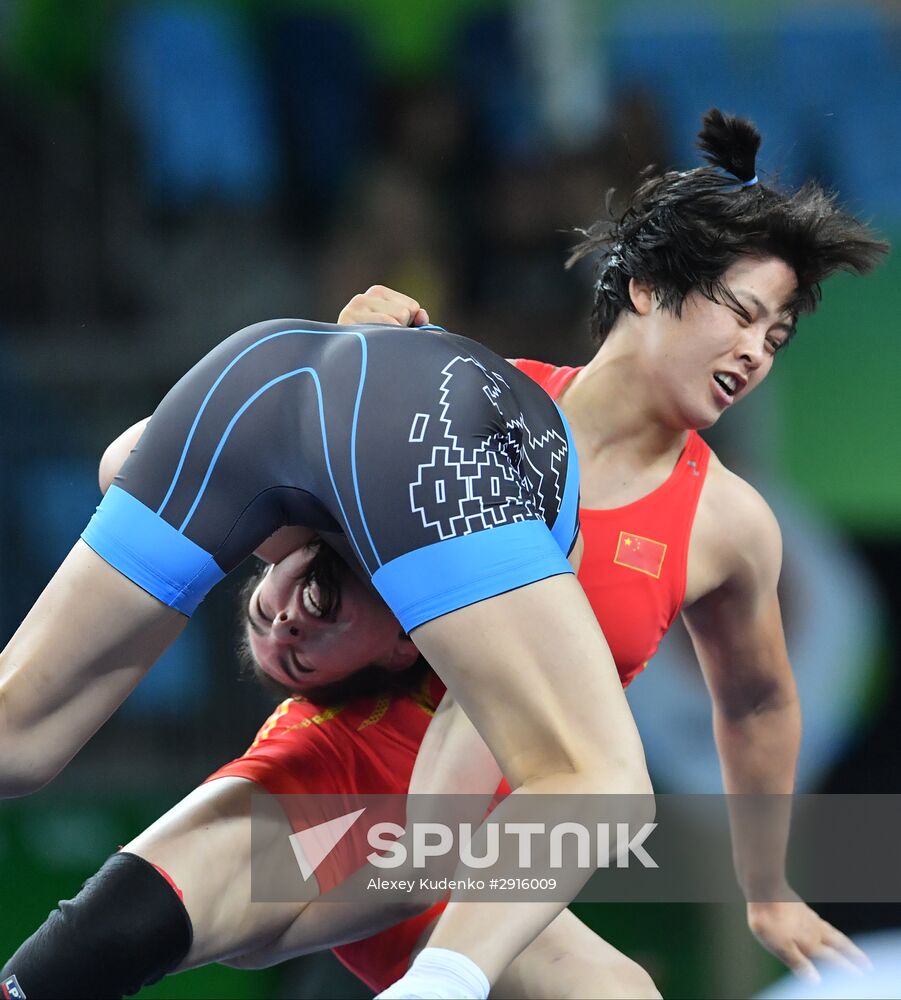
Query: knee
x=583, y=976
x=127, y=913
x=621, y=979
x=627, y=777
x=631, y=982
x=18, y=778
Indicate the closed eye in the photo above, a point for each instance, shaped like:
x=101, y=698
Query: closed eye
x=298, y=665
x=255, y=617
x=743, y=314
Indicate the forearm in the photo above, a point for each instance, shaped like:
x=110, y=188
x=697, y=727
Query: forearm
x=758, y=755
x=758, y=749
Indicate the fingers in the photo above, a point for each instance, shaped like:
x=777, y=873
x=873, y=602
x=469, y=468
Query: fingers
x=846, y=947
x=836, y=959
x=799, y=937
x=384, y=306
x=837, y=950
x=800, y=964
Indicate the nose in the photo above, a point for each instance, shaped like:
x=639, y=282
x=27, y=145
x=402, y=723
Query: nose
x=285, y=627
x=752, y=349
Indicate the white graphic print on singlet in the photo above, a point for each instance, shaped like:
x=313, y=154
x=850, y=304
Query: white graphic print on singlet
x=511, y=475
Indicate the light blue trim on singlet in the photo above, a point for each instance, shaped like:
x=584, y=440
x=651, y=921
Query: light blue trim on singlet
x=436, y=579
x=359, y=396
x=150, y=552
x=566, y=527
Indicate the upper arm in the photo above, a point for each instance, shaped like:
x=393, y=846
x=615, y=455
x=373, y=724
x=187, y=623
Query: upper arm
x=736, y=628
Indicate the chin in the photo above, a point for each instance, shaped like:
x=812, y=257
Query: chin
x=700, y=419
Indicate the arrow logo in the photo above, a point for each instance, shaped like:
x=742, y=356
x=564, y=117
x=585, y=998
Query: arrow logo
x=311, y=847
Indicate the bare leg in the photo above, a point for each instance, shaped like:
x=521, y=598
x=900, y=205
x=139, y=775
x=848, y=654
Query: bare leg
x=533, y=672
x=568, y=960
x=88, y=640
x=203, y=844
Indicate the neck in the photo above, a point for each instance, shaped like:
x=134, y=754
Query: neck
x=612, y=403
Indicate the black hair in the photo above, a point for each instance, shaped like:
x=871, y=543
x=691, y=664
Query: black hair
x=682, y=231
x=369, y=680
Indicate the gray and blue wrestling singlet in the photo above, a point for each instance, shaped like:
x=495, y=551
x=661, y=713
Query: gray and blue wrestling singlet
x=451, y=474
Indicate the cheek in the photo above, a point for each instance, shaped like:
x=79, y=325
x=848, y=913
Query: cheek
x=259, y=651
x=273, y=673
x=761, y=373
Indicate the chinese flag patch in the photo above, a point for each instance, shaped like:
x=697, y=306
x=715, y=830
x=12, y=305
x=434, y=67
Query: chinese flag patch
x=643, y=554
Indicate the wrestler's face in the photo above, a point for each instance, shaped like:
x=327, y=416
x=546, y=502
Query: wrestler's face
x=311, y=621
x=712, y=356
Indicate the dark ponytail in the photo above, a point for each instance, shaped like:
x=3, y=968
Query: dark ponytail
x=682, y=231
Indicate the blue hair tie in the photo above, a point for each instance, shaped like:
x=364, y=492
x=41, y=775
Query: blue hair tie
x=729, y=176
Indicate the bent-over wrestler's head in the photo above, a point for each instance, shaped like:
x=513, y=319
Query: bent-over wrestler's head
x=310, y=623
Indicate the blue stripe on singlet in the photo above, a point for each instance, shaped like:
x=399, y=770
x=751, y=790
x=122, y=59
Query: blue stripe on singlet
x=359, y=396
x=444, y=576
x=353, y=453
x=150, y=552
x=244, y=407
x=161, y=559
x=203, y=405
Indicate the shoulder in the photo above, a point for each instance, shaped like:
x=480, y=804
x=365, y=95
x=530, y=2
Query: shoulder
x=298, y=724
x=296, y=750
x=736, y=529
x=534, y=369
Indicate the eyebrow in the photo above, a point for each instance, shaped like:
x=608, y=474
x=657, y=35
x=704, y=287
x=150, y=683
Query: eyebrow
x=762, y=309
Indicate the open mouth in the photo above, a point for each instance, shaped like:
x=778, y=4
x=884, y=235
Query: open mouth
x=312, y=596
x=728, y=383
x=321, y=590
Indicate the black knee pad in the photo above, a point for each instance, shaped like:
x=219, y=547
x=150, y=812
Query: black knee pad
x=126, y=929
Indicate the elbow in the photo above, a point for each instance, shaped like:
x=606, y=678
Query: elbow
x=752, y=701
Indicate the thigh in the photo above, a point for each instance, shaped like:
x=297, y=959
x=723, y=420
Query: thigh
x=203, y=845
x=533, y=672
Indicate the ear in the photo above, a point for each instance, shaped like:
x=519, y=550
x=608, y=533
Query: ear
x=403, y=655
x=642, y=295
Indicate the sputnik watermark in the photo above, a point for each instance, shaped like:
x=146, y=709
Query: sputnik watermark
x=351, y=847
x=600, y=846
